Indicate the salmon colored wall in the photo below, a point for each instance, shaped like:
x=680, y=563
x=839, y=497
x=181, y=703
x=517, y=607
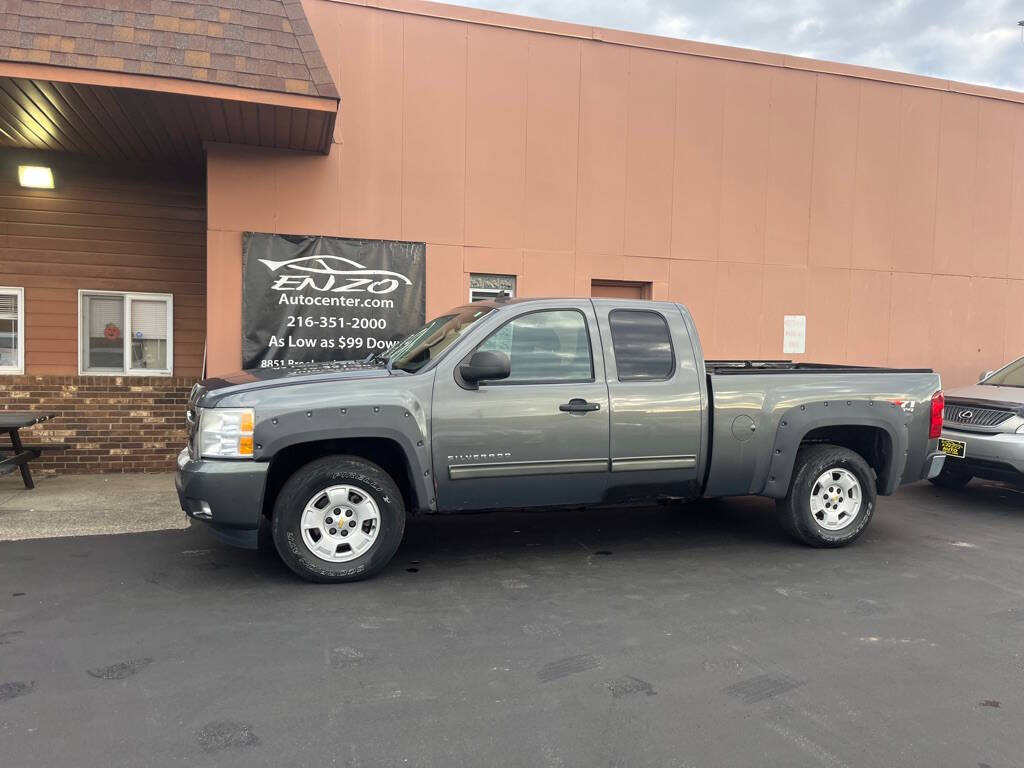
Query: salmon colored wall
x=891, y=215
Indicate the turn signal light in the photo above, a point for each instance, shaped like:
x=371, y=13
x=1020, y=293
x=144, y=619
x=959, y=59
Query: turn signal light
x=938, y=404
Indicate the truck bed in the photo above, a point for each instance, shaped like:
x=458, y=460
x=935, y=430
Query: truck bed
x=760, y=410
x=726, y=367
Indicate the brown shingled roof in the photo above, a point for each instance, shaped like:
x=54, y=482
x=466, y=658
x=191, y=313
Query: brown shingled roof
x=262, y=44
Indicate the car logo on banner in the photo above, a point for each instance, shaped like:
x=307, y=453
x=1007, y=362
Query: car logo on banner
x=332, y=274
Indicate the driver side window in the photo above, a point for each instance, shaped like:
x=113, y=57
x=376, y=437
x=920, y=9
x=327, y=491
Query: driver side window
x=547, y=347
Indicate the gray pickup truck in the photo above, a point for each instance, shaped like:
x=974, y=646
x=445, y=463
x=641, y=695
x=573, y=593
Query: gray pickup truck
x=543, y=403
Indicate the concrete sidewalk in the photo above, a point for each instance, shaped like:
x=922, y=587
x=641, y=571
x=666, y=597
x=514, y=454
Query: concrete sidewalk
x=88, y=505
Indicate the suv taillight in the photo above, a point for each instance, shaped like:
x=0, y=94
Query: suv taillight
x=935, y=427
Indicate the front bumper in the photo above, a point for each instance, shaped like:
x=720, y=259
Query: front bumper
x=225, y=494
x=998, y=455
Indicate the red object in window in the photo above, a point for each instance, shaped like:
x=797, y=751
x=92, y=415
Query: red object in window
x=112, y=332
x=938, y=403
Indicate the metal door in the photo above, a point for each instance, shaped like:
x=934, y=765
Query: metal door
x=538, y=438
x=655, y=401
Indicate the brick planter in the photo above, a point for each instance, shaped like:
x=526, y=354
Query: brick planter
x=109, y=423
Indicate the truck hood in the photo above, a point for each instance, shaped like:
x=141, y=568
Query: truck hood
x=988, y=395
x=209, y=391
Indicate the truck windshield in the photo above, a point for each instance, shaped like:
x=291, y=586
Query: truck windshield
x=1010, y=376
x=429, y=341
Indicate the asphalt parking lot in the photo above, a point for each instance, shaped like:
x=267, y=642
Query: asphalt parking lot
x=676, y=636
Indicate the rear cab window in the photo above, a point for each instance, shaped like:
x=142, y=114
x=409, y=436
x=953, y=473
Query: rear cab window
x=642, y=345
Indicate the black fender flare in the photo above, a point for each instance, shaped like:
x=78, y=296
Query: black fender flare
x=386, y=422
x=797, y=422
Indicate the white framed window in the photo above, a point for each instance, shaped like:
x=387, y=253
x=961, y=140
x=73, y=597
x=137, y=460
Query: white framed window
x=125, y=333
x=12, y=330
x=483, y=287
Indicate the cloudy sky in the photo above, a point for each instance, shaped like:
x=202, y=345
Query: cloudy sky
x=975, y=41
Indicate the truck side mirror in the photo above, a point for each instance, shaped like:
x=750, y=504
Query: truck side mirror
x=985, y=375
x=485, y=366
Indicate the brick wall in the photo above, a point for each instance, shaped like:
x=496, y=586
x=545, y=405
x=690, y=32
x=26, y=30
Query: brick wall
x=109, y=423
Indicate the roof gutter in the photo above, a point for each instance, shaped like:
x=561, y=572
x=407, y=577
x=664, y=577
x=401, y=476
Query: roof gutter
x=160, y=84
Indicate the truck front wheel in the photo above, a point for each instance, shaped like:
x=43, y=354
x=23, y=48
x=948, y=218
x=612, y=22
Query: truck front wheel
x=831, y=496
x=338, y=518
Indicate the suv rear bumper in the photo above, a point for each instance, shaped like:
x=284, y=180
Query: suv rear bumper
x=998, y=455
x=226, y=495
x=933, y=466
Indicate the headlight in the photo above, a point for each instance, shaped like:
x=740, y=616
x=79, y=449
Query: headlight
x=226, y=433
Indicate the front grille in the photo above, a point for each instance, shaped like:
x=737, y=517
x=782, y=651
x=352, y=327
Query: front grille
x=192, y=421
x=191, y=426
x=969, y=415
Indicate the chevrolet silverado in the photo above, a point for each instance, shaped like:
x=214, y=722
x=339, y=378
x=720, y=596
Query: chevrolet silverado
x=543, y=403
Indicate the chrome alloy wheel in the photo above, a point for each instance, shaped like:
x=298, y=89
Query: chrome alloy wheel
x=340, y=523
x=836, y=499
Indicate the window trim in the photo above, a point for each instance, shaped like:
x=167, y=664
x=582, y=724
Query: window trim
x=532, y=382
x=615, y=356
x=19, y=368
x=128, y=297
x=489, y=294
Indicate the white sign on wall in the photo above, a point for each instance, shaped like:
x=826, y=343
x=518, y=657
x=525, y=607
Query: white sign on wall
x=794, y=334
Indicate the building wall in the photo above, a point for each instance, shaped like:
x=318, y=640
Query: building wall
x=888, y=209
x=104, y=423
x=133, y=228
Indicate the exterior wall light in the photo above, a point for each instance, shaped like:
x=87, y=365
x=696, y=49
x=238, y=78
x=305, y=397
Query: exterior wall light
x=35, y=176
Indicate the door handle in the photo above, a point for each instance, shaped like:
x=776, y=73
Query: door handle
x=579, y=405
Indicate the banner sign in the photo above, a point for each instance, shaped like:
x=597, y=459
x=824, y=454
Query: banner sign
x=315, y=299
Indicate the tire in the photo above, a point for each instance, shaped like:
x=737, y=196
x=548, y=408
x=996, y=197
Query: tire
x=803, y=511
x=371, y=533
x=951, y=478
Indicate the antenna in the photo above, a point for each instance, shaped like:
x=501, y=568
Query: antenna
x=1021, y=25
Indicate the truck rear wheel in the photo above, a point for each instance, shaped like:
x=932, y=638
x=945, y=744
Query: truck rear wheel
x=831, y=496
x=338, y=518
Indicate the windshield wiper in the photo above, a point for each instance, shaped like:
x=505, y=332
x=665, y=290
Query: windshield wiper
x=380, y=357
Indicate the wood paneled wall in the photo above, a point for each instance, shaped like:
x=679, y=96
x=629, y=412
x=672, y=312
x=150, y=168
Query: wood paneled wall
x=104, y=227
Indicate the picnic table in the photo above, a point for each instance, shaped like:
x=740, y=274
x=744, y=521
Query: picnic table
x=12, y=422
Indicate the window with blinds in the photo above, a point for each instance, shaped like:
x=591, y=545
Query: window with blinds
x=8, y=303
x=11, y=324
x=103, y=345
x=126, y=333
x=149, y=335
